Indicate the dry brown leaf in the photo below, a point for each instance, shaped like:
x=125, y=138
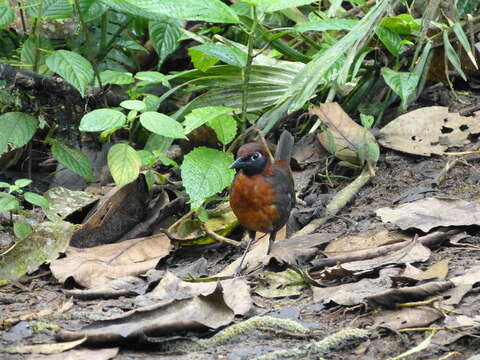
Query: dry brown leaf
x=346, y=133
x=363, y=241
x=432, y=212
x=463, y=284
x=438, y=270
x=82, y=354
x=97, y=266
x=407, y=318
x=43, y=348
x=124, y=286
x=429, y=130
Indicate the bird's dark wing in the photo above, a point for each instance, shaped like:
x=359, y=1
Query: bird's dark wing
x=282, y=182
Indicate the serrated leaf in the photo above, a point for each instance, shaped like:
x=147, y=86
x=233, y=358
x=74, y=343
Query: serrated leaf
x=73, y=159
x=21, y=229
x=73, y=67
x=133, y=105
x=162, y=124
x=452, y=56
x=6, y=15
x=36, y=199
x=165, y=35
x=227, y=54
x=275, y=5
x=23, y=182
x=225, y=127
x=53, y=9
x=102, y=120
x=201, y=60
x=16, y=130
x=116, y=77
x=124, y=164
x=201, y=116
x=205, y=172
x=9, y=203
x=404, y=84
x=196, y=10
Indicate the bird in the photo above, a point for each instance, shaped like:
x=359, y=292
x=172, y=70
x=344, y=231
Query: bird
x=263, y=192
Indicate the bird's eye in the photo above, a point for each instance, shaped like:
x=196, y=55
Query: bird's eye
x=255, y=156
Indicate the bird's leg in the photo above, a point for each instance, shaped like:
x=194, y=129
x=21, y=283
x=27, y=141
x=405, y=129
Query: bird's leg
x=273, y=234
x=251, y=235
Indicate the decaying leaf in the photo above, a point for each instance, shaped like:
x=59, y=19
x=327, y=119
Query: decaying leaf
x=438, y=270
x=116, y=213
x=280, y=284
x=124, y=286
x=429, y=130
x=345, y=133
x=43, y=348
x=164, y=318
x=64, y=202
x=43, y=245
x=82, y=354
x=97, y=266
x=463, y=284
x=432, y=212
x=410, y=317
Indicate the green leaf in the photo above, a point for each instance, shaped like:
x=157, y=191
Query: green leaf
x=227, y=54
x=23, y=182
x=225, y=127
x=201, y=60
x=133, y=105
x=457, y=29
x=152, y=77
x=92, y=9
x=53, y=9
x=158, y=143
x=36, y=199
x=21, y=229
x=161, y=124
x=403, y=24
x=275, y=5
x=17, y=130
x=165, y=35
x=452, y=56
x=41, y=246
x=73, y=159
x=102, y=120
x=195, y=10
x=146, y=157
x=73, y=67
x=28, y=50
x=327, y=24
x=205, y=172
x=4, y=185
x=6, y=15
x=201, y=116
x=124, y=164
x=152, y=102
x=404, y=84
x=9, y=203
x=373, y=152
x=116, y=77
x=390, y=39
x=367, y=120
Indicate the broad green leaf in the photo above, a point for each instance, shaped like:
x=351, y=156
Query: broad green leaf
x=457, y=29
x=102, y=120
x=327, y=24
x=23, y=182
x=72, y=67
x=43, y=245
x=158, y=143
x=201, y=60
x=28, y=50
x=21, y=229
x=195, y=10
x=152, y=102
x=36, y=199
x=92, y=9
x=367, y=120
x=6, y=15
x=4, y=185
x=225, y=127
x=73, y=159
x=116, y=77
x=124, y=164
x=201, y=116
x=165, y=35
x=452, y=56
x=275, y=5
x=390, y=39
x=133, y=105
x=403, y=84
x=161, y=124
x=8, y=203
x=151, y=76
x=227, y=54
x=16, y=130
x=146, y=157
x=403, y=24
x=53, y=9
x=205, y=172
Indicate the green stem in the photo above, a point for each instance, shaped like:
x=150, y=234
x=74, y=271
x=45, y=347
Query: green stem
x=103, y=29
x=104, y=51
x=247, y=69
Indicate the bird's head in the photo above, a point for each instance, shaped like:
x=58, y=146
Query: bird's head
x=252, y=159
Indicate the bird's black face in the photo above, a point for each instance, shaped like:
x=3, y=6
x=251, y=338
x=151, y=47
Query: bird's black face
x=251, y=164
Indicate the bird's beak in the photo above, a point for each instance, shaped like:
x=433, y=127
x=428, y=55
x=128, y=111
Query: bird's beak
x=237, y=163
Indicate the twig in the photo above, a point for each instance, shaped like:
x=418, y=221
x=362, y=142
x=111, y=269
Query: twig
x=219, y=238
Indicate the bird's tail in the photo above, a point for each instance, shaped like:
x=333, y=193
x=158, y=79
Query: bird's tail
x=284, y=147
